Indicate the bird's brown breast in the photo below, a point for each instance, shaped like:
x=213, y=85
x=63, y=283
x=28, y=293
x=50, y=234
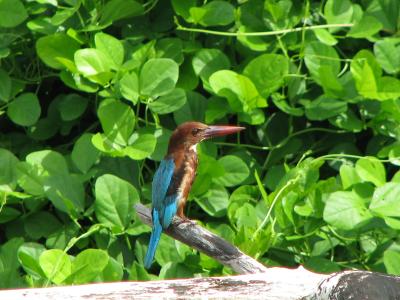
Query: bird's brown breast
x=183, y=177
x=189, y=174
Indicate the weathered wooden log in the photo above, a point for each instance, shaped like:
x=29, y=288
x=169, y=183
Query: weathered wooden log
x=358, y=285
x=197, y=237
x=275, y=283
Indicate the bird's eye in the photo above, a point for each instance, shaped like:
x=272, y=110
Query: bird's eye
x=195, y=131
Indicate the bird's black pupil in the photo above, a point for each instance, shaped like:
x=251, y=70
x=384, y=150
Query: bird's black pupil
x=195, y=131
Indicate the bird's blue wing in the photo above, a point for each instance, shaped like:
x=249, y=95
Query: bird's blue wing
x=169, y=210
x=161, y=181
x=163, y=209
x=165, y=206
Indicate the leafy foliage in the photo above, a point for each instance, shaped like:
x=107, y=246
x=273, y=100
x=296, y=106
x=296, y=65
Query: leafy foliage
x=91, y=90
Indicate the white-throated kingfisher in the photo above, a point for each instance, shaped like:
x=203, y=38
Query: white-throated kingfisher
x=174, y=177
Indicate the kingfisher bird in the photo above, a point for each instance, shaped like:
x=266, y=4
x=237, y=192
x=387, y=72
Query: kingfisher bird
x=174, y=177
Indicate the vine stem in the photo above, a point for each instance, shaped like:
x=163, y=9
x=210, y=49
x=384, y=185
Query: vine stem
x=277, y=196
x=260, y=33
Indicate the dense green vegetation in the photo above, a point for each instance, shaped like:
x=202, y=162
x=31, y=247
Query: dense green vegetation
x=90, y=91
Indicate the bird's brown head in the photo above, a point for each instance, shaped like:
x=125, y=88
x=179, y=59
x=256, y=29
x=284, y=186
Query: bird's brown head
x=189, y=134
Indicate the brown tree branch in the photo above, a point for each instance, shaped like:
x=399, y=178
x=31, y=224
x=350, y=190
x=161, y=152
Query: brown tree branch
x=204, y=241
x=274, y=284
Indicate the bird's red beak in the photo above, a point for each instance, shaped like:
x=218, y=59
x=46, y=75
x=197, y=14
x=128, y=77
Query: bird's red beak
x=214, y=131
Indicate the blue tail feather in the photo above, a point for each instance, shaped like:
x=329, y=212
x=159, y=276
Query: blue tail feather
x=154, y=239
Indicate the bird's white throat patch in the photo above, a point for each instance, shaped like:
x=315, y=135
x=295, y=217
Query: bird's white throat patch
x=193, y=148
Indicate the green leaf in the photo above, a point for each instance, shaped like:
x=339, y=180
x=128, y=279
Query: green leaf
x=114, y=201
x=169, y=251
x=325, y=37
x=41, y=224
x=389, y=88
x=274, y=176
x=129, y=87
x=371, y=169
x=140, y=146
x=162, y=136
x=72, y=106
x=387, y=54
x=182, y=8
x=385, y=200
x=245, y=216
x=214, y=13
x=51, y=161
x=65, y=192
x=117, y=120
x=57, y=50
x=387, y=12
x=267, y=72
x=366, y=72
x=324, y=107
x=254, y=117
x=215, y=201
x=92, y=62
x=193, y=110
x=217, y=108
x=346, y=210
x=236, y=171
x=89, y=264
x=348, y=121
x=207, y=61
x=8, y=214
x=62, y=237
x=321, y=265
x=169, y=102
x=56, y=265
x=30, y=178
x=349, y=176
x=114, y=271
x=8, y=163
x=78, y=82
x=44, y=129
x=391, y=260
x=318, y=55
x=366, y=27
x=392, y=222
x=172, y=270
x=24, y=110
x=281, y=14
x=111, y=47
x=115, y=10
x=158, y=77
x=28, y=257
x=12, y=13
x=338, y=11
x=5, y=86
x=321, y=247
x=10, y=267
x=84, y=154
x=280, y=101
x=255, y=43
x=239, y=90
x=209, y=166
x=187, y=78
x=170, y=48
x=138, y=272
